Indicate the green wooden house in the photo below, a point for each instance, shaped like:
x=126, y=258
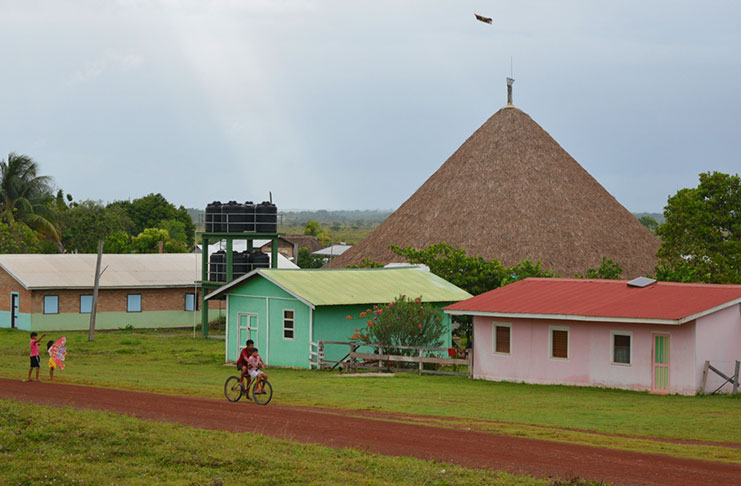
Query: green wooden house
x=287, y=312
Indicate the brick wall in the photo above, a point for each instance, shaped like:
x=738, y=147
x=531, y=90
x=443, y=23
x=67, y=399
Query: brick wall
x=7, y=285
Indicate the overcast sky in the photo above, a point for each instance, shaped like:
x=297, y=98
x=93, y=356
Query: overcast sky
x=354, y=104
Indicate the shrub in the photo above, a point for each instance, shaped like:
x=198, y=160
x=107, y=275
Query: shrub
x=403, y=322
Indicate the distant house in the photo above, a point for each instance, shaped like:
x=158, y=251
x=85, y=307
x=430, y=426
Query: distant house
x=55, y=292
x=288, y=245
x=286, y=312
x=639, y=335
x=332, y=251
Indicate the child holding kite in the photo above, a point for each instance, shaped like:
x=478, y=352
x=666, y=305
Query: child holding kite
x=57, y=353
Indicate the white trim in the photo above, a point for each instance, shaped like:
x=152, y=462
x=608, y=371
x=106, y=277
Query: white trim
x=550, y=342
x=311, y=333
x=613, y=333
x=293, y=329
x=226, y=326
x=267, y=330
x=573, y=317
x=494, y=325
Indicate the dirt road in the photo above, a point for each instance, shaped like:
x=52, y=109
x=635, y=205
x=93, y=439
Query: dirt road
x=347, y=429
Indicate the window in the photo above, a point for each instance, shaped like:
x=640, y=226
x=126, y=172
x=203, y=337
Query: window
x=190, y=302
x=134, y=303
x=51, y=304
x=621, y=342
x=86, y=304
x=502, y=337
x=288, y=324
x=559, y=340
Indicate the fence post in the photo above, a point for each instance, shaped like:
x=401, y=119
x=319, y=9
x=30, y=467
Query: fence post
x=470, y=364
x=705, y=377
x=736, y=377
x=320, y=355
x=353, y=361
x=380, y=361
x=421, y=365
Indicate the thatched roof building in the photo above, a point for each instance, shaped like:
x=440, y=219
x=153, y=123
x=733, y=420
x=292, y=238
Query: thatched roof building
x=511, y=192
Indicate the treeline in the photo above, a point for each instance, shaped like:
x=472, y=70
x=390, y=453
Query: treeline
x=37, y=218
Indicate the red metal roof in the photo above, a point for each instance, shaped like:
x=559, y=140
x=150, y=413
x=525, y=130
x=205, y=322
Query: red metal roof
x=600, y=299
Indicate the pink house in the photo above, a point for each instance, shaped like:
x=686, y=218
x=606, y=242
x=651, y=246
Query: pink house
x=638, y=335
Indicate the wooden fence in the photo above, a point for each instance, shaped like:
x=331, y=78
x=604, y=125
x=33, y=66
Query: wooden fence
x=380, y=360
x=733, y=379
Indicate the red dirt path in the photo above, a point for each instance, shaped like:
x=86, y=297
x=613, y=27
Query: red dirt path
x=341, y=429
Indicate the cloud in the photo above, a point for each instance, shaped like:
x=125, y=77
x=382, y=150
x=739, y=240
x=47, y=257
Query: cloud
x=110, y=61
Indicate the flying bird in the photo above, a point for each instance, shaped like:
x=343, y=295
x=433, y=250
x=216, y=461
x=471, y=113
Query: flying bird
x=486, y=20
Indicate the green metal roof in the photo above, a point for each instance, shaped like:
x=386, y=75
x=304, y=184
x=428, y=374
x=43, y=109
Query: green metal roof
x=360, y=286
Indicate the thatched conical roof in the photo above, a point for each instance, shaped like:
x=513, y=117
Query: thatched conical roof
x=511, y=192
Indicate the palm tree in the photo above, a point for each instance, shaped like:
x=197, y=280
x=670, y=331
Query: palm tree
x=25, y=196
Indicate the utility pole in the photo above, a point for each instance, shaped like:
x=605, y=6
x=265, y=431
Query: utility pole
x=91, y=333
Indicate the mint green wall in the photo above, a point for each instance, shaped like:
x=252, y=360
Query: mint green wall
x=23, y=322
x=265, y=299
x=115, y=320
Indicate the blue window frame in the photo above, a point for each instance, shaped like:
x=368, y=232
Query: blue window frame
x=190, y=302
x=86, y=304
x=51, y=304
x=134, y=303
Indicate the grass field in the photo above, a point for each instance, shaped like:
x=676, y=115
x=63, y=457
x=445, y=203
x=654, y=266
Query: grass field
x=173, y=362
x=42, y=445
x=345, y=233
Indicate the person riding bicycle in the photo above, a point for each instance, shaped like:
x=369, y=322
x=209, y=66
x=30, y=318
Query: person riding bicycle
x=243, y=365
x=256, y=367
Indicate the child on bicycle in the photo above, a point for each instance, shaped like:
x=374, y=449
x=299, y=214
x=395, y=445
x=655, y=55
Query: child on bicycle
x=256, y=367
x=242, y=363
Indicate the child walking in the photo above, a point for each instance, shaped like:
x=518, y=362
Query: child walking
x=52, y=364
x=35, y=359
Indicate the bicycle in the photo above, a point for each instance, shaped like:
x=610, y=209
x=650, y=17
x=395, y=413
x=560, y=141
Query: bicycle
x=234, y=390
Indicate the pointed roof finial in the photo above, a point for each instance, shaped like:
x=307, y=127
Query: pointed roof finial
x=510, y=82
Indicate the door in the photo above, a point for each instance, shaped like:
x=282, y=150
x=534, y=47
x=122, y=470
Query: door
x=14, y=303
x=247, y=330
x=660, y=380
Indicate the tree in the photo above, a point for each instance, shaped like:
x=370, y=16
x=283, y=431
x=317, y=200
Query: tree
x=314, y=228
x=149, y=211
x=148, y=241
x=18, y=238
x=701, y=238
x=306, y=260
x=608, y=270
x=84, y=223
x=649, y=223
x=25, y=196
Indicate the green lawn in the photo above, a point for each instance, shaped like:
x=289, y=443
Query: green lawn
x=175, y=363
x=44, y=445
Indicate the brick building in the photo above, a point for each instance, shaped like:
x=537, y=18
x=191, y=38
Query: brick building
x=55, y=292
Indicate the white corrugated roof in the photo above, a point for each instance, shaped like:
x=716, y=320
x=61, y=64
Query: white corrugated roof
x=123, y=271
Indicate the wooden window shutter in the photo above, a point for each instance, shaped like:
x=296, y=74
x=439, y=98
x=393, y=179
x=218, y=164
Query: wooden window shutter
x=502, y=339
x=560, y=341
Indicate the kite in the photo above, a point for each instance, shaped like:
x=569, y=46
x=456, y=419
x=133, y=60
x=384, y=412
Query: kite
x=57, y=353
x=486, y=20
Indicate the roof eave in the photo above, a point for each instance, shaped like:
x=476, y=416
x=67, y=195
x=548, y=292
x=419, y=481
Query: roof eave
x=627, y=320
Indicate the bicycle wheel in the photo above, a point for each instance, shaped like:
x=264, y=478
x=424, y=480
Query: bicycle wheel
x=263, y=398
x=233, y=391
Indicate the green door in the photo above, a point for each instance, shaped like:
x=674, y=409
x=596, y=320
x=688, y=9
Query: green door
x=660, y=379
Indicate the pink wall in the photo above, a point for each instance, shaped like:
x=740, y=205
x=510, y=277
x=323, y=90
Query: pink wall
x=719, y=341
x=589, y=361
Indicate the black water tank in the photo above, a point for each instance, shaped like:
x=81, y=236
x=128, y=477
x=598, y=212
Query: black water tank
x=213, y=217
x=241, y=264
x=248, y=209
x=259, y=260
x=232, y=212
x=266, y=218
x=217, y=266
